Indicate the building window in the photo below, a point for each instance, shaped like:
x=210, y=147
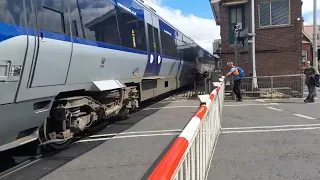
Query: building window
x=273, y=13
x=236, y=17
x=304, y=55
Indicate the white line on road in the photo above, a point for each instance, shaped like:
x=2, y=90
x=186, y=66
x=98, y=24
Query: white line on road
x=136, y=132
x=270, y=130
x=276, y=109
x=131, y=136
x=173, y=101
x=260, y=100
x=237, y=105
x=274, y=103
x=303, y=116
x=171, y=107
x=272, y=127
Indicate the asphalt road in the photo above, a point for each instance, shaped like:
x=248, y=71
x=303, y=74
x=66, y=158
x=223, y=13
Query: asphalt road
x=128, y=149
x=276, y=141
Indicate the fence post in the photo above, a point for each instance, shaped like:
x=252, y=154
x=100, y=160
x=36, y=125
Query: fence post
x=302, y=85
x=271, y=87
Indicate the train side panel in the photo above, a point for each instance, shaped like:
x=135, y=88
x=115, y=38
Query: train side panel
x=91, y=64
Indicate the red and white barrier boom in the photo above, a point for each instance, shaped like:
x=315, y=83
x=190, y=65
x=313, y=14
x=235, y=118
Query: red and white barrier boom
x=190, y=155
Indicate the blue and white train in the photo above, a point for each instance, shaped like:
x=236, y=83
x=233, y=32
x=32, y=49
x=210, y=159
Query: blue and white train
x=65, y=64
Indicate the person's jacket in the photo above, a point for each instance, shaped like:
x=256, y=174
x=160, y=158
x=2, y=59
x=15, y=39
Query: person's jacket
x=315, y=80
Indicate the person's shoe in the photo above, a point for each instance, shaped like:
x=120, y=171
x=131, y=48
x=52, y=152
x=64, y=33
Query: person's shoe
x=239, y=100
x=306, y=101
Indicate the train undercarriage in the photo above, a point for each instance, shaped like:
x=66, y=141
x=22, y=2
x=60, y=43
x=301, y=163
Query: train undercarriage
x=72, y=114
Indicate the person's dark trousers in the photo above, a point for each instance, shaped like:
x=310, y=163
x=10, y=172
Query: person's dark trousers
x=236, y=89
x=311, y=89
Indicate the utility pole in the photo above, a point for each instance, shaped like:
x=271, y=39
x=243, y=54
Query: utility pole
x=253, y=47
x=315, y=34
x=236, y=35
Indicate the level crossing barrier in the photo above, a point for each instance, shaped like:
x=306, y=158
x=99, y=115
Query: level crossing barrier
x=190, y=155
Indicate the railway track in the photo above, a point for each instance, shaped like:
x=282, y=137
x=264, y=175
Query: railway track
x=25, y=161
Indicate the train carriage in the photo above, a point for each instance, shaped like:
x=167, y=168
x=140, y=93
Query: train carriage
x=65, y=64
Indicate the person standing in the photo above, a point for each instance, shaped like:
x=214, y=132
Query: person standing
x=310, y=81
x=237, y=74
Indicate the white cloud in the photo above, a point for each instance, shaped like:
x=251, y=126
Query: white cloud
x=308, y=20
x=307, y=6
x=203, y=31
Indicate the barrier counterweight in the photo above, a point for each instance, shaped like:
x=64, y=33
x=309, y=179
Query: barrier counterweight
x=190, y=155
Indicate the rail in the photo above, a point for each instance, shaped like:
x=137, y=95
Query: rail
x=190, y=155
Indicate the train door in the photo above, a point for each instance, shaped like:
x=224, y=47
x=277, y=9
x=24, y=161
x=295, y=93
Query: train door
x=54, y=43
x=154, y=54
x=157, y=49
x=13, y=47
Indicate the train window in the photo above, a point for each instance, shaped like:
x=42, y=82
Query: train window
x=156, y=36
x=132, y=30
x=180, y=46
x=30, y=12
x=151, y=40
x=98, y=21
x=11, y=12
x=76, y=23
x=53, y=20
x=169, y=47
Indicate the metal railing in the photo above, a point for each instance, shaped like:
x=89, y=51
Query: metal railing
x=284, y=86
x=190, y=156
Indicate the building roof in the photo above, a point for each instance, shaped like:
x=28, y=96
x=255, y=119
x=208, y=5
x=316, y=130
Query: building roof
x=308, y=32
x=306, y=42
x=215, y=6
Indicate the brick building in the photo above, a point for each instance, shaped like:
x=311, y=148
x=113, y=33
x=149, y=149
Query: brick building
x=307, y=43
x=278, y=34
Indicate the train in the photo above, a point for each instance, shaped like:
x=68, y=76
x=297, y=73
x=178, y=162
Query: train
x=67, y=64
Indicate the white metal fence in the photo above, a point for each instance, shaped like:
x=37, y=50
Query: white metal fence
x=269, y=87
x=190, y=156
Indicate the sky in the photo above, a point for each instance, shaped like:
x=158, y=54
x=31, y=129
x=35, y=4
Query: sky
x=195, y=18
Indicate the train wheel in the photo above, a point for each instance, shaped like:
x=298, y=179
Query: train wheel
x=124, y=114
x=44, y=137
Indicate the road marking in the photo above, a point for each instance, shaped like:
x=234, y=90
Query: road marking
x=130, y=136
x=303, y=116
x=136, y=132
x=276, y=109
x=171, y=107
x=237, y=105
x=272, y=127
x=260, y=100
x=270, y=130
x=274, y=103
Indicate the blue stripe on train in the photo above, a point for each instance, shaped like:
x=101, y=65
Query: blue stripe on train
x=8, y=31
